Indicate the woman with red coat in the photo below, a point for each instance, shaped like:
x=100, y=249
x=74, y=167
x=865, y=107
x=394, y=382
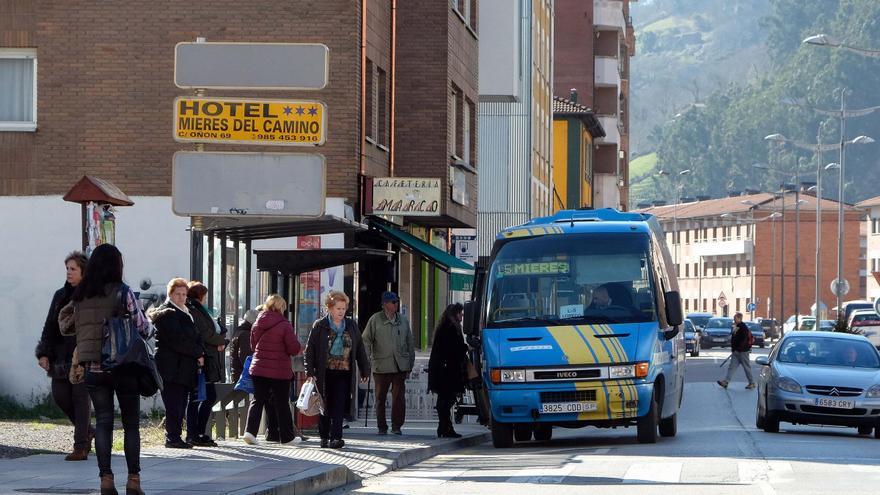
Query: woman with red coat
x=274, y=343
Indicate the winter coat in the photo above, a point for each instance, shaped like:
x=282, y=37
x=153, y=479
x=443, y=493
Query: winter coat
x=389, y=344
x=446, y=366
x=240, y=349
x=58, y=348
x=740, y=340
x=274, y=342
x=215, y=361
x=178, y=345
x=318, y=353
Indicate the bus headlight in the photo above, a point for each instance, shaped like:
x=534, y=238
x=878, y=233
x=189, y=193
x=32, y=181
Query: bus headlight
x=627, y=371
x=508, y=376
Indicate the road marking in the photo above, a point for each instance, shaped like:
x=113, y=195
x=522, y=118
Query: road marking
x=864, y=468
x=751, y=471
x=542, y=475
x=426, y=478
x=653, y=472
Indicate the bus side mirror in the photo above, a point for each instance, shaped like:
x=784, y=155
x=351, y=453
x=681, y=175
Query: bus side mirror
x=674, y=316
x=469, y=325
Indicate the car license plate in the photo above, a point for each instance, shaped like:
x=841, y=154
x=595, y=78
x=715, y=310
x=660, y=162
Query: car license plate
x=568, y=407
x=837, y=403
x=718, y=339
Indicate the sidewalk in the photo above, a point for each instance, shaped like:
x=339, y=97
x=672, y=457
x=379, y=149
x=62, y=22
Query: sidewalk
x=238, y=469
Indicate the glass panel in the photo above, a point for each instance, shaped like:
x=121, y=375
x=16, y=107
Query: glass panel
x=578, y=279
x=16, y=90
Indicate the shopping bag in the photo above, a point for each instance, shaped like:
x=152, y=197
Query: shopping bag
x=245, y=383
x=302, y=402
x=202, y=392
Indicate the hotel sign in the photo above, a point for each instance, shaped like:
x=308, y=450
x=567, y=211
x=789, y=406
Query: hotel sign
x=407, y=196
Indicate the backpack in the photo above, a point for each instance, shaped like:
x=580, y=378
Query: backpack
x=751, y=339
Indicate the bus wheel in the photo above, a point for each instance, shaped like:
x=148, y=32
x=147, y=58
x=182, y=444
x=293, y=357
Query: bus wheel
x=543, y=433
x=522, y=433
x=669, y=426
x=646, y=426
x=502, y=435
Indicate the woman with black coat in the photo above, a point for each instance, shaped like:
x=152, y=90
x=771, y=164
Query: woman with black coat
x=334, y=351
x=179, y=353
x=446, y=366
x=55, y=353
x=213, y=335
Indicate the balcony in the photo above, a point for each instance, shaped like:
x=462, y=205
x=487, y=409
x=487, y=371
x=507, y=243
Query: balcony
x=612, y=134
x=608, y=14
x=607, y=72
x=723, y=248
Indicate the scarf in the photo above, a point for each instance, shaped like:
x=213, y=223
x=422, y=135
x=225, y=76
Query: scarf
x=211, y=316
x=184, y=308
x=337, y=346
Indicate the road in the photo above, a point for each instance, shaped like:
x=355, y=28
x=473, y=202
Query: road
x=717, y=450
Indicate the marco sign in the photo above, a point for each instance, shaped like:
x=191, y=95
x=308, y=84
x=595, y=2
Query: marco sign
x=407, y=196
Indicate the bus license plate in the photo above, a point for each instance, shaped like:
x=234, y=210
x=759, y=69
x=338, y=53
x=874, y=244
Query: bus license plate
x=836, y=403
x=568, y=407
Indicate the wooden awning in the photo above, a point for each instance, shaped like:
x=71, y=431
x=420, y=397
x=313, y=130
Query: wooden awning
x=95, y=189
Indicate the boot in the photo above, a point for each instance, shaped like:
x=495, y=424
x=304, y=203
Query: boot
x=77, y=455
x=133, y=487
x=107, y=486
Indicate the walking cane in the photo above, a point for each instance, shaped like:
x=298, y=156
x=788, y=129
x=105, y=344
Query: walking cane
x=367, y=405
x=726, y=360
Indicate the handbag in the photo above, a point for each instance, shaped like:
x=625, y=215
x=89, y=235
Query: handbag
x=309, y=402
x=201, y=388
x=120, y=338
x=245, y=383
x=77, y=372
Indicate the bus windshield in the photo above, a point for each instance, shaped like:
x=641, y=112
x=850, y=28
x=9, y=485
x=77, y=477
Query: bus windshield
x=570, y=280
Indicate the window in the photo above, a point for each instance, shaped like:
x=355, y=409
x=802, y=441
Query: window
x=875, y=225
x=714, y=268
x=370, y=102
x=737, y=267
x=382, y=112
x=466, y=133
x=687, y=304
x=696, y=269
x=687, y=236
x=737, y=304
x=687, y=270
x=18, y=90
x=455, y=128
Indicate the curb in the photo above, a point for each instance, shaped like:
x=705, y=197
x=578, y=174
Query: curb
x=321, y=479
x=413, y=456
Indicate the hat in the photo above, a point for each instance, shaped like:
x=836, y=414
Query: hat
x=389, y=296
x=250, y=316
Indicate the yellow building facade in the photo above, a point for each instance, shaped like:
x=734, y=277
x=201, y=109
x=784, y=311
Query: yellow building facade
x=574, y=129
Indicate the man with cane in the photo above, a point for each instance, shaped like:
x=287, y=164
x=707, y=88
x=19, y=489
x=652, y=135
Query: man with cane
x=740, y=345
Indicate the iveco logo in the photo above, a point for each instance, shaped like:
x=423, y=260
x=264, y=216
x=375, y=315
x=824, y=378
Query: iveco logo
x=834, y=392
x=566, y=374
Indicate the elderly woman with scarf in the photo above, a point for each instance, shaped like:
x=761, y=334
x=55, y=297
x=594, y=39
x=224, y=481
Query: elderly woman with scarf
x=335, y=350
x=213, y=335
x=179, y=353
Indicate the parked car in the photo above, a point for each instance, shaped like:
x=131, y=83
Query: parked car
x=770, y=326
x=794, y=323
x=717, y=332
x=865, y=322
x=699, y=319
x=807, y=323
x=850, y=306
x=691, y=338
x=826, y=378
x=757, y=333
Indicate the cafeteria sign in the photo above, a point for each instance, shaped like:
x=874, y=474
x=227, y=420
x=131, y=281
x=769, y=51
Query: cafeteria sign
x=246, y=121
x=403, y=196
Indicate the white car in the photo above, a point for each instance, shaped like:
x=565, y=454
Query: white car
x=791, y=325
x=865, y=322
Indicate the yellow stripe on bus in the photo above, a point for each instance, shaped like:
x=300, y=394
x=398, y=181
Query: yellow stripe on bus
x=573, y=346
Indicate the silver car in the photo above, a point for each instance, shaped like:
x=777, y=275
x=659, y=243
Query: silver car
x=820, y=378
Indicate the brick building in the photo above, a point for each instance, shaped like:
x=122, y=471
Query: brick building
x=734, y=246
x=92, y=92
x=593, y=44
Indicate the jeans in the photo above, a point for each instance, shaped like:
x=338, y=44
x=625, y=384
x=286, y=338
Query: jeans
x=397, y=383
x=74, y=401
x=199, y=412
x=101, y=386
x=445, y=401
x=174, y=397
x=337, y=385
x=264, y=390
x=737, y=359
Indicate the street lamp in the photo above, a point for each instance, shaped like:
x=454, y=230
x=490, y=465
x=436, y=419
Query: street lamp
x=677, y=186
x=825, y=40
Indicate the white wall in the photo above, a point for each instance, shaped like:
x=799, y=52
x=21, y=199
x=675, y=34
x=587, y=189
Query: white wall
x=38, y=232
